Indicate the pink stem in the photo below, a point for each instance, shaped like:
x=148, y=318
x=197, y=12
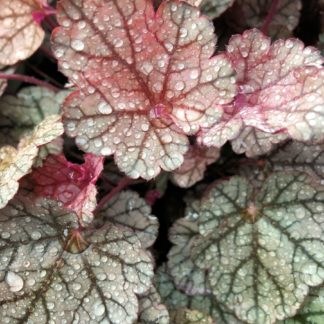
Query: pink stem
x=28, y=79
x=123, y=183
x=269, y=18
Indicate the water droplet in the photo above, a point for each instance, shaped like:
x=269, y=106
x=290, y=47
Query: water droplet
x=5, y=235
x=111, y=276
x=194, y=74
x=104, y=108
x=106, y=151
x=179, y=86
x=183, y=32
x=145, y=127
x=81, y=24
x=167, y=138
x=119, y=43
x=147, y=67
x=76, y=286
x=14, y=281
x=36, y=235
x=77, y=45
x=98, y=309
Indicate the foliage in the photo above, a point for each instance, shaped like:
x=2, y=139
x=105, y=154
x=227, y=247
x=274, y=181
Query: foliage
x=208, y=114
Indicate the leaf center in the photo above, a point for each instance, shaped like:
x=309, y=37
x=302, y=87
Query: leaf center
x=160, y=111
x=251, y=213
x=75, y=242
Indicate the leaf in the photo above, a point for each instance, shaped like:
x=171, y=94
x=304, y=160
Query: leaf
x=131, y=211
x=151, y=310
x=186, y=275
x=53, y=271
x=16, y=163
x=263, y=249
x=254, y=13
x=3, y=82
x=281, y=92
x=20, y=34
x=187, y=316
x=254, y=142
x=145, y=80
x=176, y=299
x=296, y=156
x=214, y=8
x=320, y=43
x=20, y=114
x=72, y=184
x=195, y=163
x=312, y=312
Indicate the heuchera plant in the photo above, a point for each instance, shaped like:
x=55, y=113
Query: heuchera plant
x=150, y=176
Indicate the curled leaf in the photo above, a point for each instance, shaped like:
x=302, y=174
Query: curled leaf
x=20, y=34
x=53, y=271
x=145, y=80
x=15, y=163
x=195, y=163
x=281, y=92
x=72, y=184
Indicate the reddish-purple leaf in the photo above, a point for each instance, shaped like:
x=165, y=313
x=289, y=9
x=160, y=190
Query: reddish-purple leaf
x=281, y=91
x=195, y=163
x=145, y=79
x=72, y=184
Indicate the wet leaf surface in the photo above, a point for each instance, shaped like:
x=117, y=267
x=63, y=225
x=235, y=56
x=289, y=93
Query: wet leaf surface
x=145, y=80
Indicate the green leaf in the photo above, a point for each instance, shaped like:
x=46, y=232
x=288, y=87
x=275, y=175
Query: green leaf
x=53, y=271
x=151, y=309
x=214, y=8
x=20, y=114
x=206, y=304
x=131, y=211
x=186, y=275
x=188, y=316
x=296, y=156
x=312, y=312
x=263, y=249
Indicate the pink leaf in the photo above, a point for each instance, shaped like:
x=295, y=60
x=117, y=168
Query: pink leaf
x=20, y=33
x=145, y=79
x=195, y=163
x=72, y=184
x=281, y=90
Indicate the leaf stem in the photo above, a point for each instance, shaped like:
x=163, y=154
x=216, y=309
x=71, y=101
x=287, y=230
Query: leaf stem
x=29, y=79
x=269, y=18
x=123, y=183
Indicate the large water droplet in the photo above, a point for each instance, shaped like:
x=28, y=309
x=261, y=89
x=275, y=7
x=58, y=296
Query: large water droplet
x=14, y=281
x=77, y=45
x=104, y=108
x=98, y=309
